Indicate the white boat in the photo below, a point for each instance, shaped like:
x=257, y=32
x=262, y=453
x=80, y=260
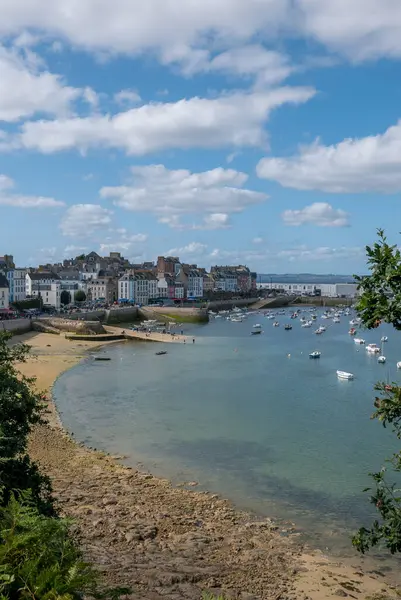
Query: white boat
x=336, y=320
x=399, y=365
x=355, y=321
x=276, y=324
x=359, y=341
x=320, y=330
x=217, y=316
x=307, y=324
x=373, y=349
x=381, y=359
x=315, y=354
x=256, y=329
x=344, y=375
x=236, y=320
x=384, y=338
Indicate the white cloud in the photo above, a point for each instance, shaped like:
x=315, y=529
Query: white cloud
x=194, y=248
x=10, y=198
x=267, y=67
x=121, y=240
x=235, y=119
x=370, y=164
x=257, y=240
x=81, y=220
x=358, y=29
x=25, y=90
x=321, y=214
x=171, y=194
x=72, y=251
x=127, y=97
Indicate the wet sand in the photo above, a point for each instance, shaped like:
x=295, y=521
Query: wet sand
x=174, y=543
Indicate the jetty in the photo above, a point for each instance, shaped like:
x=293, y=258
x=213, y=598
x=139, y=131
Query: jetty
x=146, y=336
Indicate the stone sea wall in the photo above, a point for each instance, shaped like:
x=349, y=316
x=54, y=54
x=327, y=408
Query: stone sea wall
x=182, y=315
x=68, y=325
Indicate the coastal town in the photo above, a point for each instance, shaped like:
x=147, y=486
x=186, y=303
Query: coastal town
x=92, y=280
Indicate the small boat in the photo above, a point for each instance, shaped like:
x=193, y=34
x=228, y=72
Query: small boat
x=384, y=339
x=344, y=375
x=276, y=324
x=359, y=341
x=314, y=317
x=161, y=352
x=256, y=329
x=336, y=320
x=372, y=348
x=352, y=331
x=399, y=365
x=381, y=359
x=315, y=354
x=320, y=330
x=288, y=327
x=102, y=358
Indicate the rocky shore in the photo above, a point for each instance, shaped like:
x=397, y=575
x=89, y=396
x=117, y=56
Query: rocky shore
x=172, y=543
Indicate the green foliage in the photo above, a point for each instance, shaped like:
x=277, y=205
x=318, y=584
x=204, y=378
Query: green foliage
x=80, y=296
x=381, y=301
x=26, y=304
x=65, y=297
x=39, y=558
x=20, y=409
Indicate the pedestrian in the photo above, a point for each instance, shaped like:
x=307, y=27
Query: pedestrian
x=193, y=340
x=182, y=332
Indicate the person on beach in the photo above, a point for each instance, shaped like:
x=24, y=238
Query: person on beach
x=193, y=340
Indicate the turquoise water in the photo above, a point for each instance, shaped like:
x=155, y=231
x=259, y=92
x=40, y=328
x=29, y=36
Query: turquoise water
x=278, y=435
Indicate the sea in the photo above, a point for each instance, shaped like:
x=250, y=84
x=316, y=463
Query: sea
x=250, y=417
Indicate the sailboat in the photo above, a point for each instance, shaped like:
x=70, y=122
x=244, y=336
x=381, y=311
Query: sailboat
x=381, y=359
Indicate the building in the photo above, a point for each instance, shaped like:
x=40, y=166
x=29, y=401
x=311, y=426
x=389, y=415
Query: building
x=6, y=263
x=103, y=288
x=195, y=284
x=17, y=284
x=138, y=287
x=44, y=285
x=225, y=279
x=4, y=293
x=169, y=264
x=328, y=290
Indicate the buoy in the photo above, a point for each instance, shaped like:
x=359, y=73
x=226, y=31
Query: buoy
x=288, y=355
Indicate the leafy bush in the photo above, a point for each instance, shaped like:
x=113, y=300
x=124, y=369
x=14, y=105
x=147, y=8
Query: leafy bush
x=20, y=408
x=380, y=300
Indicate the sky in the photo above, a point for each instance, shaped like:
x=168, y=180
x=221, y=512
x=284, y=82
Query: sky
x=257, y=132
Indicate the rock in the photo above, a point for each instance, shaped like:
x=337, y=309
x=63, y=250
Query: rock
x=340, y=592
x=109, y=501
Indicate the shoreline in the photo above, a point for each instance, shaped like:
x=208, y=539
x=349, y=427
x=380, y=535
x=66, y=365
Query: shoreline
x=166, y=541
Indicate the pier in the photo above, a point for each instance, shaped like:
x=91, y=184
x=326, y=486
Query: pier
x=153, y=336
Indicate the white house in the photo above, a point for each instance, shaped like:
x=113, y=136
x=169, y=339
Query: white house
x=195, y=284
x=138, y=287
x=4, y=293
x=17, y=282
x=44, y=285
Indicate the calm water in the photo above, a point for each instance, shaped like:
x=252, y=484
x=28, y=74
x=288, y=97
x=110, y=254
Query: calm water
x=279, y=435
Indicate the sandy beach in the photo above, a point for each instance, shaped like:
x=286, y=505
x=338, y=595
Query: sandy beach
x=166, y=542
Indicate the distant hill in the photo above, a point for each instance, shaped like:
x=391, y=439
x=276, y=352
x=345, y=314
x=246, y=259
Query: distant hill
x=303, y=278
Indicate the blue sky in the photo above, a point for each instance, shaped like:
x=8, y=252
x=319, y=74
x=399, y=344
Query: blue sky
x=261, y=132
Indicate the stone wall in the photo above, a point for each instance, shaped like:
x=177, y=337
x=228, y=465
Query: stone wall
x=183, y=315
x=88, y=327
x=16, y=326
x=121, y=315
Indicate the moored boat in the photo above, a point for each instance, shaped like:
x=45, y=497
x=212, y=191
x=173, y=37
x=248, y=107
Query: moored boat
x=344, y=375
x=359, y=341
x=315, y=354
x=372, y=348
x=288, y=327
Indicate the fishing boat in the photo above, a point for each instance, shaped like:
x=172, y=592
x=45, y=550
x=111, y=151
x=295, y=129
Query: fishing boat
x=161, y=352
x=345, y=375
x=256, y=329
x=359, y=341
x=315, y=354
x=307, y=324
x=352, y=331
x=354, y=321
x=288, y=327
x=336, y=320
x=372, y=349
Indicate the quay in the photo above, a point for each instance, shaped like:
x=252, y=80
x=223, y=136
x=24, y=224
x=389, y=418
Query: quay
x=153, y=336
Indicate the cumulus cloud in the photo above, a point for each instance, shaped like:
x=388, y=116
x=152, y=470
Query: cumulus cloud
x=127, y=97
x=360, y=29
x=370, y=164
x=321, y=253
x=10, y=198
x=321, y=214
x=235, y=120
x=171, y=194
x=26, y=89
x=81, y=220
x=257, y=240
x=194, y=248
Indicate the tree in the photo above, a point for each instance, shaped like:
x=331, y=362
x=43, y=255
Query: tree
x=65, y=297
x=380, y=301
x=20, y=408
x=80, y=296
